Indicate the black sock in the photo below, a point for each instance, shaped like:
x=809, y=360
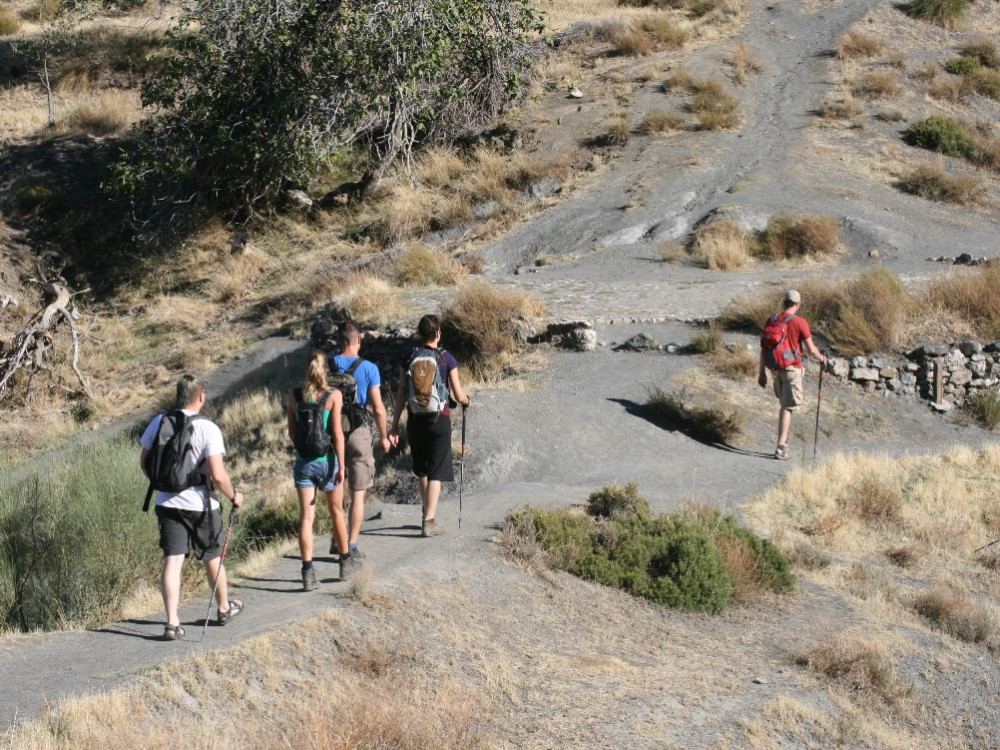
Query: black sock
x=307, y=565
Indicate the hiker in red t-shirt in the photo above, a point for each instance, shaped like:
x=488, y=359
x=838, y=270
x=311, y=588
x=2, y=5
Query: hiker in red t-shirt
x=787, y=379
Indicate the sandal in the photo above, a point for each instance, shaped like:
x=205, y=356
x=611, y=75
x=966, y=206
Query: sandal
x=235, y=607
x=173, y=632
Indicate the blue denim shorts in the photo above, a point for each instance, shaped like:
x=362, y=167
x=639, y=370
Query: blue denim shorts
x=319, y=474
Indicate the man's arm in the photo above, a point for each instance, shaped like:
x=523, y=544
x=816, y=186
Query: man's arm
x=142, y=461
x=762, y=371
x=814, y=351
x=221, y=480
x=378, y=409
x=398, y=410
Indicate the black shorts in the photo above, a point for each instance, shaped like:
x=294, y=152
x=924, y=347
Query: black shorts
x=430, y=446
x=181, y=530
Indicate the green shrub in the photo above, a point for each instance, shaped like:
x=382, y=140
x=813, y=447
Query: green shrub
x=941, y=134
x=73, y=541
x=983, y=50
x=962, y=66
x=611, y=501
x=986, y=82
x=946, y=13
x=714, y=424
x=984, y=407
x=679, y=560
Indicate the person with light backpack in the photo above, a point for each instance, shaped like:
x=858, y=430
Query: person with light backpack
x=182, y=455
x=425, y=382
x=785, y=334
x=360, y=383
x=314, y=427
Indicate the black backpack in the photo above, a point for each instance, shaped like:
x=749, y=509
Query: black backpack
x=312, y=439
x=170, y=463
x=352, y=414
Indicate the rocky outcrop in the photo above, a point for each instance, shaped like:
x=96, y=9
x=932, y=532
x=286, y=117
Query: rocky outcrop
x=946, y=374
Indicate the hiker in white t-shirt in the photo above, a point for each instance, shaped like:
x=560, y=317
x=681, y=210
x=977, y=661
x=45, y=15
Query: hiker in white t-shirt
x=192, y=518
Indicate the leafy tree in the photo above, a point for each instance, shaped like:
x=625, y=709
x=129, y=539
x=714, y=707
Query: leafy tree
x=257, y=94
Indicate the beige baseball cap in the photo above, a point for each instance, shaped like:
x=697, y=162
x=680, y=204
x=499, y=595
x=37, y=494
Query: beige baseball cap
x=793, y=296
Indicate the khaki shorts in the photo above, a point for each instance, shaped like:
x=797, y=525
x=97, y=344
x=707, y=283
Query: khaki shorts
x=360, y=459
x=787, y=386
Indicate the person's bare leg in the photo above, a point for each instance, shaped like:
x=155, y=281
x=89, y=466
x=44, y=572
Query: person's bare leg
x=170, y=586
x=430, y=496
x=357, y=514
x=307, y=516
x=335, y=502
x=214, y=568
x=784, y=425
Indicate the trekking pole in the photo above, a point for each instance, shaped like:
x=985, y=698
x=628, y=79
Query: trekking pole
x=218, y=573
x=819, y=397
x=461, y=470
x=995, y=541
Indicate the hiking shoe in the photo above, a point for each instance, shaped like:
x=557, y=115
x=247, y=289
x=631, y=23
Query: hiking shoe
x=349, y=566
x=781, y=453
x=309, y=581
x=235, y=607
x=173, y=632
x=430, y=528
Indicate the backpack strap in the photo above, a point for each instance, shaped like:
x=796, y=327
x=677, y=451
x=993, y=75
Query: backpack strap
x=354, y=366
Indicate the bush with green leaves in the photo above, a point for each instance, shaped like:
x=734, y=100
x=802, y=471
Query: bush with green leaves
x=73, y=539
x=941, y=134
x=249, y=102
x=962, y=66
x=945, y=13
x=675, y=560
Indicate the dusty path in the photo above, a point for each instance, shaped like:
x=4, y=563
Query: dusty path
x=582, y=425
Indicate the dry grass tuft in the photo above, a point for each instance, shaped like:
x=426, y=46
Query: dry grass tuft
x=716, y=423
x=743, y=61
x=618, y=133
x=631, y=42
x=969, y=294
x=735, y=362
x=984, y=50
x=439, y=167
x=111, y=114
x=723, y=245
x=874, y=500
x=857, y=44
x=371, y=300
x=946, y=88
x=9, y=23
x=956, y=615
x=859, y=665
x=876, y=84
x=661, y=121
x=487, y=324
x=931, y=181
x=949, y=14
x=419, y=265
x=665, y=30
x=845, y=109
x=811, y=235
x=905, y=556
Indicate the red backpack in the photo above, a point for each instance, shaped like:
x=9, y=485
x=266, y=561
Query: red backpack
x=778, y=351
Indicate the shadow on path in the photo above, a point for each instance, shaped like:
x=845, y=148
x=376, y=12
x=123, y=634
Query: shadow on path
x=644, y=411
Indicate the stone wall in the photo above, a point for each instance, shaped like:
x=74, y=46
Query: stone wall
x=944, y=374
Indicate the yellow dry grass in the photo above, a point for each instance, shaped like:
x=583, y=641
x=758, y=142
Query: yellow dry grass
x=724, y=246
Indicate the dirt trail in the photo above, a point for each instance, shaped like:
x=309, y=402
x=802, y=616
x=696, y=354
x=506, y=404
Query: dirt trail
x=582, y=425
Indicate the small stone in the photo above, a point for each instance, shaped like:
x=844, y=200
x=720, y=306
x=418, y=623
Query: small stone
x=759, y=681
x=873, y=253
x=575, y=93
